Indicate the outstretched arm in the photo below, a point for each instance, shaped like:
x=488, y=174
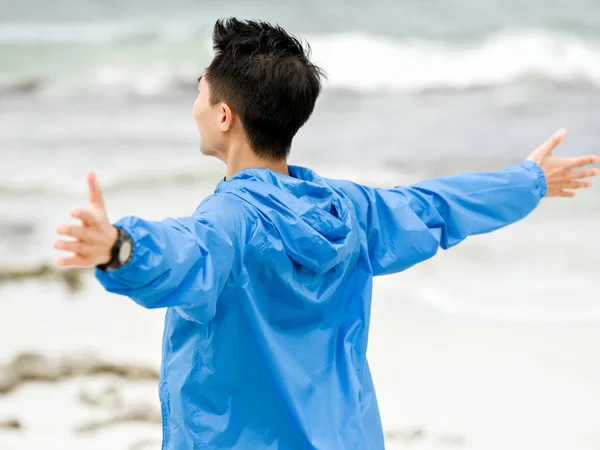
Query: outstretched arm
x=175, y=262
x=407, y=225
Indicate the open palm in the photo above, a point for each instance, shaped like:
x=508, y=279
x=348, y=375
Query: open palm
x=563, y=175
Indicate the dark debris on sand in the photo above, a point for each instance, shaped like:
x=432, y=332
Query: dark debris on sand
x=111, y=399
x=419, y=434
x=11, y=424
x=72, y=278
x=28, y=367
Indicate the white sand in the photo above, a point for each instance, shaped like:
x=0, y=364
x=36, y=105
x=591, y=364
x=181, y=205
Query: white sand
x=468, y=386
x=493, y=386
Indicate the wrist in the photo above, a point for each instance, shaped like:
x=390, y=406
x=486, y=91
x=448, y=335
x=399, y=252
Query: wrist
x=113, y=235
x=121, y=250
x=539, y=174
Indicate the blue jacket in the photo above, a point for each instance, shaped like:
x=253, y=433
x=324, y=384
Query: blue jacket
x=268, y=294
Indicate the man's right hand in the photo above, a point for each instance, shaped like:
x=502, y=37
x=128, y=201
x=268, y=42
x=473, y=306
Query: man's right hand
x=563, y=174
x=95, y=236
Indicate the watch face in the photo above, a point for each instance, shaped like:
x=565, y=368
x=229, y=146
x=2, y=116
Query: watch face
x=125, y=252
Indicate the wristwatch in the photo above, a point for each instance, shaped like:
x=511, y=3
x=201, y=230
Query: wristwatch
x=120, y=253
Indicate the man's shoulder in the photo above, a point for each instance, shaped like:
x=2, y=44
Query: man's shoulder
x=350, y=190
x=223, y=205
x=341, y=184
x=226, y=214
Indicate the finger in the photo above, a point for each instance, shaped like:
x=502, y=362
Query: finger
x=578, y=174
x=547, y=147
x=581, y=161
x=77, y=247
x=577, y=185
x=561, y=194
x=94, y=187
x=81, y=233
x=76, y=260
x=86, y=215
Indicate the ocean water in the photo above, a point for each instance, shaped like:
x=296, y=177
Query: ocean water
x=415, y=89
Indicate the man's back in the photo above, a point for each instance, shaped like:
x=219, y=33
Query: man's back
x=268, y=286
x=276, y=357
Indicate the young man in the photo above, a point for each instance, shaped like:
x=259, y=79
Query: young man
x=268, y=284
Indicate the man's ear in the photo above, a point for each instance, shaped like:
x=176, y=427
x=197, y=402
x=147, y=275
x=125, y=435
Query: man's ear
x=226, y=117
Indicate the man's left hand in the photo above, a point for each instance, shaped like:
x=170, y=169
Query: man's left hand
x=563, y=175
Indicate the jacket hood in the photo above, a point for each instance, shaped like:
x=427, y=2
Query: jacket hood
x=313, y=222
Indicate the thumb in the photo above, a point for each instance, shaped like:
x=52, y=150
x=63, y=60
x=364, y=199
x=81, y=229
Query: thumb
x=547, y=147
x=95, y=193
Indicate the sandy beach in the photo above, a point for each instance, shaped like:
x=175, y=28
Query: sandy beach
x=490, y=387
x=441, y=383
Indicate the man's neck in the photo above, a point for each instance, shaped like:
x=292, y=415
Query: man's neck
x=249, y=160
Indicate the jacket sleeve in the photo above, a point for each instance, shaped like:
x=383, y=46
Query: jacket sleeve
x=407, y=225
x=182, y=263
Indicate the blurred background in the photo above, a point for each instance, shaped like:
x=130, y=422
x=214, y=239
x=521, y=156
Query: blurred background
x=490, y=345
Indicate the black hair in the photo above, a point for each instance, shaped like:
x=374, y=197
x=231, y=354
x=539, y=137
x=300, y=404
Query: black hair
x=265, y=75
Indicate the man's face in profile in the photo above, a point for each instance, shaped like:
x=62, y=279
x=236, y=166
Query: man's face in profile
x=207, y=120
